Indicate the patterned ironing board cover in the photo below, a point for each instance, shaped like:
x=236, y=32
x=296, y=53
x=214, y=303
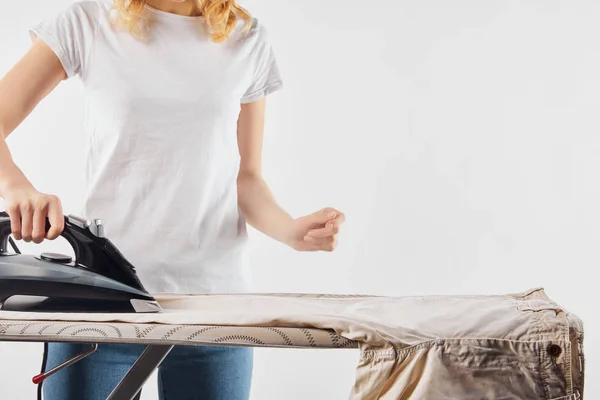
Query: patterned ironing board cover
x=101, y=332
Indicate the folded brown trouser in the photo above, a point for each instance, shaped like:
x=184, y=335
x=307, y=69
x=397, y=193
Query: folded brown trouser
x=506, y=347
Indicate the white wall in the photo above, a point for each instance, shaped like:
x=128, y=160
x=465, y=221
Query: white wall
x=460, y=138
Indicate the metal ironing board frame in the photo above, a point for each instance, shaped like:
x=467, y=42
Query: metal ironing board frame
x=140, y=371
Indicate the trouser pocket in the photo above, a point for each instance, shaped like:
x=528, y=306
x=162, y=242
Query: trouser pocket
x=494, y=369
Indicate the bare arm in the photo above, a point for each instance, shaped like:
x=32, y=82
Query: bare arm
x=316, y=231
x=21, y=90
x=255, y=198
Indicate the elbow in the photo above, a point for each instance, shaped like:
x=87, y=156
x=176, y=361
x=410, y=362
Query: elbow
x=248, y=178
x=247, y=185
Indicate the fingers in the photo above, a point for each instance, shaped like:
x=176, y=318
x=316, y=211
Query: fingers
x=27, y=221
x=320, y=244
x=15, y=221
x=332, y=227
x=339, y=219
x=39, y=221
x=323, y=232
x=56, y=218
x=326, y=226
x=324, y=215
x=28, y=218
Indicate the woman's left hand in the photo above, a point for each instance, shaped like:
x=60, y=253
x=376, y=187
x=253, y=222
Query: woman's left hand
x=317, y=231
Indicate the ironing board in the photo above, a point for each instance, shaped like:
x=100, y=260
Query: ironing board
x=410, y=347
x=161, y=338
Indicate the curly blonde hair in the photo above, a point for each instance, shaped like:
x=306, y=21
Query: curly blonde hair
x=221, y=16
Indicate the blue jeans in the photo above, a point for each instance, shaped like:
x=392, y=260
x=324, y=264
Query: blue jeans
x=187, y=373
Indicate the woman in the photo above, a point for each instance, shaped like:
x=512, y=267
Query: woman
x=175, y=104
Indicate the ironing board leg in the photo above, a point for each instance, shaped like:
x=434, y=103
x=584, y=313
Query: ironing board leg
x=139, y=373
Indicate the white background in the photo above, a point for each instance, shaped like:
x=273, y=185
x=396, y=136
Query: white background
x=461, y=138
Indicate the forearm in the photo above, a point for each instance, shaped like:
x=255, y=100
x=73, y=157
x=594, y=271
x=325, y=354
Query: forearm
x=11, y=177
x=260, y=209
x=21, y=89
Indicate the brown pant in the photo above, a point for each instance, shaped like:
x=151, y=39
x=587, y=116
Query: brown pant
x=521, y=347
x=507, y=347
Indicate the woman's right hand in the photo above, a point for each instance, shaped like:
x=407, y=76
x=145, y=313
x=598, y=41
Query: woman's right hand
x=28, y=209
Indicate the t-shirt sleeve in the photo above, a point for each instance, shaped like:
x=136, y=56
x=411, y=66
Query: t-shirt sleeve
x=69, y=33
x=266, y=76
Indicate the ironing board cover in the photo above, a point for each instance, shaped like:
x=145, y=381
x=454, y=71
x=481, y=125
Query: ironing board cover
x=518, y=346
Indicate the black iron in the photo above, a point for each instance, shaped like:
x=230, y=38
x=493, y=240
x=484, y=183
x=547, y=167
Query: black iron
x=98, y=279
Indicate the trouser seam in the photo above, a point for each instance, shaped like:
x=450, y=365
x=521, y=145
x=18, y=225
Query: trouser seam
x=397, y=352
x=542, y=371
x=567, y=357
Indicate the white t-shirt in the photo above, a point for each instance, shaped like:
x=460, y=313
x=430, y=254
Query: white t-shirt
x=161, y=130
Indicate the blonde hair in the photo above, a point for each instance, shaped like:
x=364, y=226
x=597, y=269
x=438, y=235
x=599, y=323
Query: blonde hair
x=221, y=16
